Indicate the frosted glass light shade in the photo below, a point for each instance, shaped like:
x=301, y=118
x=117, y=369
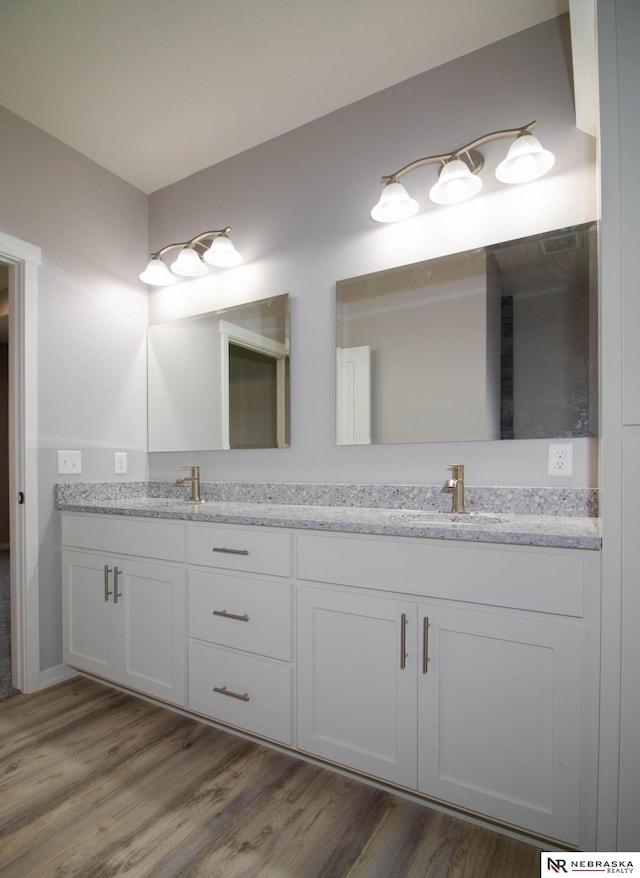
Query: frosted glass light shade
x=157, y=274
x=455, y=183
x=188, y=264
x=395, y=205
x=222, y=253
x=525, y=161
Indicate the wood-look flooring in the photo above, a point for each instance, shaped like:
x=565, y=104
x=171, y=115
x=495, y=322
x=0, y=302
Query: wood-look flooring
x=95, y=783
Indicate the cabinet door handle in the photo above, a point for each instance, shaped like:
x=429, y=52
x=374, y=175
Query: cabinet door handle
x=116, y=594
x=225, y=615
x=222, y=690
x=403, y=641
x=425, y=645
x=107, y=591
x=230, y=551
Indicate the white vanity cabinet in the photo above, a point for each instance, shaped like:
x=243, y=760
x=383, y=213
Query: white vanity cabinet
x=124, y=615
x=412, y=669
x=241, y=628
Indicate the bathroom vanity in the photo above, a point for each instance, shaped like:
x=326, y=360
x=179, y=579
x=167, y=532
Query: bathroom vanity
x=453, y=660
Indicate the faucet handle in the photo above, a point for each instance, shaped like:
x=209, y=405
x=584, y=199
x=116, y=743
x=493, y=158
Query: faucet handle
x=457, y=470
x=195, y=470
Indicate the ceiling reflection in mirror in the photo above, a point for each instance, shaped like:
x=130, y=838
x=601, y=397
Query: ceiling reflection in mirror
x=499, y=342
x=220, y=380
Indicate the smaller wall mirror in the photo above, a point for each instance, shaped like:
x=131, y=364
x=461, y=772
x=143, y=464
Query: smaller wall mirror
x=220, y=380
x=499, y=342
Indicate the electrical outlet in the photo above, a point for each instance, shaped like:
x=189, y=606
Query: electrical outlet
x=69, y=462
x=560, y=459
x=119, y=462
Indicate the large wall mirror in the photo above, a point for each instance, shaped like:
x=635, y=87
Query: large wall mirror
x=220, y=380
x=494, y=343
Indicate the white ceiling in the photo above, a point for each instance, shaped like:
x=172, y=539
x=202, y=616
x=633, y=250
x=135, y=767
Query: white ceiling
x=155, y=90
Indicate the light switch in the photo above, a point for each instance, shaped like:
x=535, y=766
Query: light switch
x=69, y=462
x=120, y=462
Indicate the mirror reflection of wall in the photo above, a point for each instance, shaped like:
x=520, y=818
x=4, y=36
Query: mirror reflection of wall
x=497, y=342
x=220, y=380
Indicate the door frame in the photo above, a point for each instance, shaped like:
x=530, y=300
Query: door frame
x=24, y=260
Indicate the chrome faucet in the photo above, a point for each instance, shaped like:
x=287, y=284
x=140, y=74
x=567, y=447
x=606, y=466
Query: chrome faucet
x=455, y=486
x=194, y=478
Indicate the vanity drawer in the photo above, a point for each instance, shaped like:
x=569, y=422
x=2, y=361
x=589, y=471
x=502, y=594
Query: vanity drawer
x=240, y=548
x=264, y=687
x=159, y=539
x=520, y=577
x=249, y=614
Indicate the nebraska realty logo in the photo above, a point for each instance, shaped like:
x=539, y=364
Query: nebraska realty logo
x=580, y=863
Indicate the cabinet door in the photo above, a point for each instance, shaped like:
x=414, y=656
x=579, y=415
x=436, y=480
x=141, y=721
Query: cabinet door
x=500, y=718
x=88, y=614
x=356, y=692
x=151, y=621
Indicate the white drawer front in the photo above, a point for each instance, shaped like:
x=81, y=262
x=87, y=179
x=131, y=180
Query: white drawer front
x=264, y=689
x=527, y=578
x=164, y=540
x=249, y=614
x=240, y=548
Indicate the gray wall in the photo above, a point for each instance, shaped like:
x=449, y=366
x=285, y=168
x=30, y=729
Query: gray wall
x=92, y=314
x=299, y=204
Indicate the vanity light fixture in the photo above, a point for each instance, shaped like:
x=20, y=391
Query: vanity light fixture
x=458, y=178
x=215, y=248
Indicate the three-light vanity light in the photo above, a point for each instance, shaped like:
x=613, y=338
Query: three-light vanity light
x=458, y=178
x=214, y=248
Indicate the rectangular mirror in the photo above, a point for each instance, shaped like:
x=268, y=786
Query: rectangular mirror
x=220, y=380
x=494, y=343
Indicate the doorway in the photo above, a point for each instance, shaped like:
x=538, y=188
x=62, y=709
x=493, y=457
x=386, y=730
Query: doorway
x=6, y=679
x=253, y=403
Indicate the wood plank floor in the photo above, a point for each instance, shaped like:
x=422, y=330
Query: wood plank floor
x=95, y=783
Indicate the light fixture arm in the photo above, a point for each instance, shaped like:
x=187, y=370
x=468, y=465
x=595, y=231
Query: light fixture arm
x=194, y=242
x=467, y=153
x=213, y=248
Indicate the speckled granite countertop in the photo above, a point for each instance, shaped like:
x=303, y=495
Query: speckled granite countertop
x=565, y=527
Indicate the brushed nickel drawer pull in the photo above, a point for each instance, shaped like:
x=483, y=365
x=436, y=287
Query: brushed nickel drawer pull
x=403, y=641
x=224, y=691
x=107, y=591
x=425, y=645
x=230, y=551
x=116, y=594
x=225, y=615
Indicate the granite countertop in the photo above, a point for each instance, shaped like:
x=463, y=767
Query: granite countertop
x=561, y=531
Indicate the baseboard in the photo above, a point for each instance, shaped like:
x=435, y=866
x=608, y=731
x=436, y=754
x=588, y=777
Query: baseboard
x=57, y=674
